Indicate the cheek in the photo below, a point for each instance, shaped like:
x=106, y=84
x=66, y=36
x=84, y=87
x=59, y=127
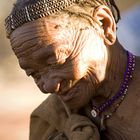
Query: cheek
x=62, y=43
x=79, y=68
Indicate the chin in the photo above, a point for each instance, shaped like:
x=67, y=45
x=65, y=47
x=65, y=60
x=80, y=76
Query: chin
x=82, y=93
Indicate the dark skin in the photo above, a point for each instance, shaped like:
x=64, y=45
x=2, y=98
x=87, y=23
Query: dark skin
x=64, y=61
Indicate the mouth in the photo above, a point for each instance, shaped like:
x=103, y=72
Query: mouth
x=68, y=93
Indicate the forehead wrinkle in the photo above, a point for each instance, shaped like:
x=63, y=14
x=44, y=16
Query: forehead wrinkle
x=30, y=42
x=27, y=64
x=21, y=38
x=30, y=26
x=28, y=31
x=38, y=28
x=34, y=48
x=20, y=52
x=24, y=44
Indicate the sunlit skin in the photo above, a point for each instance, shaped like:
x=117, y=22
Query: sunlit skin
x=67, y=62
x=80, y=62
x=65, y=56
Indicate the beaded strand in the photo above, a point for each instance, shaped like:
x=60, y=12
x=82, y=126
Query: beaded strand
x=122, y=91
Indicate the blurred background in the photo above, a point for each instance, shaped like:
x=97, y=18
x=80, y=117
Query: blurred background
x=18, y=93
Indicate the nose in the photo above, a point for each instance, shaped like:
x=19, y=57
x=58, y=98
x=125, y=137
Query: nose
x=51, y=84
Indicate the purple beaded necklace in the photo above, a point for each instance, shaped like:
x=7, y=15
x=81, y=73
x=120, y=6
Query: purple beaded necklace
x=96, y=111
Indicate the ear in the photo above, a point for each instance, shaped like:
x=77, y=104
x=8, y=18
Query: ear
x=105, y=18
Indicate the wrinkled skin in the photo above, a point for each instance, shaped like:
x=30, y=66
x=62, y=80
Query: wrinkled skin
x=79, y=64
x=63, y=61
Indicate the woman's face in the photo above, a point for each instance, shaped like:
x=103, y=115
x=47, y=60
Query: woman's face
x=62, y=60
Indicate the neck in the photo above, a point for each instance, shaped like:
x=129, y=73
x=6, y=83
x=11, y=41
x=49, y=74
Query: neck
x=117, y=61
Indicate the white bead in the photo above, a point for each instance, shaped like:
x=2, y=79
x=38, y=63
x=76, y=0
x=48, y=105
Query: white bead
x=94, y=113
x=107, y=116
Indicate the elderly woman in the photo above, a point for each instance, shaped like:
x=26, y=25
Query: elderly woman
x=70, y=49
